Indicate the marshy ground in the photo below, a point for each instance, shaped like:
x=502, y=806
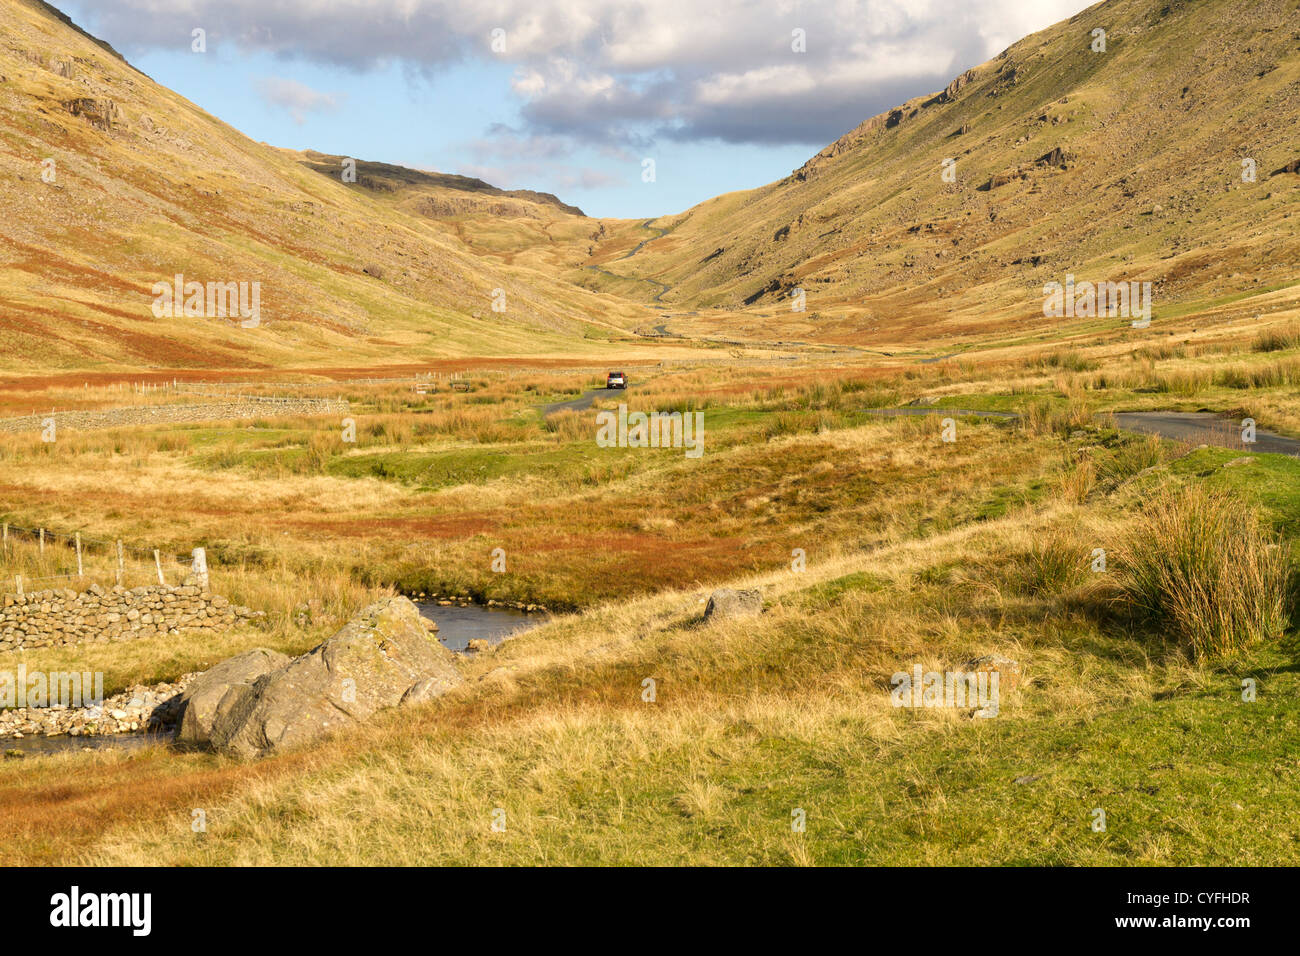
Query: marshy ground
x=918, y=551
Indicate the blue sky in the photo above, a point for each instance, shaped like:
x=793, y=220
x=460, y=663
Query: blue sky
x=565, y=96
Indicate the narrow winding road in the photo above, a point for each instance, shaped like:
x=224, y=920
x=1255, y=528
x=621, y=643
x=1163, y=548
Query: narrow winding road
x=1205, y=428
x=1195, y=428
x=663, y=288
x=581, y=403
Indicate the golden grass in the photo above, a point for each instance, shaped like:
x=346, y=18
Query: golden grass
x=1198, y=564
x=918, y=552
x=556, y=718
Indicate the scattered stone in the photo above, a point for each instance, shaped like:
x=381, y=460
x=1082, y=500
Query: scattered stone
x=179, y=413
x=1008, y=671
x=423, y=691
x=154, y=708
x=728, y=602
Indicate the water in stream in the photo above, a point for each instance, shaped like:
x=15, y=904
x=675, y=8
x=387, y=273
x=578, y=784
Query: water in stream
x=40, y=745
x=457, y=626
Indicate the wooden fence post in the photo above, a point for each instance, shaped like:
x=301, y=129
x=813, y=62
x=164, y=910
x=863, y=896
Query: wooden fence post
x=42, y=540
x=6, y=538
x=121, y=566
x=79, y=571
x=19, y=579
x=157, y=563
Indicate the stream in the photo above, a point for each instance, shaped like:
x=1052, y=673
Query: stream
x=457, y=626
x=42, y=746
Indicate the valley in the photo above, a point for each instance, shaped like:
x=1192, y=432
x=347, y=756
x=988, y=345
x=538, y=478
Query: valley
x=907, y=453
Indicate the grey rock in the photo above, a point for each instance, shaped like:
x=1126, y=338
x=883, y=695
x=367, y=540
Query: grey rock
x=202, y=699
x=727, y=603
x=368, y=665
x=430, y=688
x=1008, y=670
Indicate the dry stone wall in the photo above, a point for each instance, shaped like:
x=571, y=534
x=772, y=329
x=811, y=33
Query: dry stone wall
x=168, y=414
x=99, y=614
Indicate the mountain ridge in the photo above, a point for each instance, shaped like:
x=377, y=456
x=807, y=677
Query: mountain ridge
x=115, y=183
x=1124, y=161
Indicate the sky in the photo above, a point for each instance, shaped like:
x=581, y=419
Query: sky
x=626, y=108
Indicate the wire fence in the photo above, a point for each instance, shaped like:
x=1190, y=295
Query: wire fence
x=420, y=381
x=251, y=399
x=426, y=378
x=36, y=559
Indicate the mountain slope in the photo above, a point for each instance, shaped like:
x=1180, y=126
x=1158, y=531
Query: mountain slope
x=1112, y=166
x=145, y=186
x=439, y=195
x=515, y=227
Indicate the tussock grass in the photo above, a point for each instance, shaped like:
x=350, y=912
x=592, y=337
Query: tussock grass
x=919, y=551
x=1056, y=563
x=1079, y=482
x=1134, y=455
x=1198, y=567
x=1069, y=360
x=1277, y=340
x=1042, y=416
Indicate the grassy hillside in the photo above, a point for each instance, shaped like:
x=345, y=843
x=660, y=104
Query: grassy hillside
x=1123, y=165
x=113, y=183
x=514, y=227
x=439, y=195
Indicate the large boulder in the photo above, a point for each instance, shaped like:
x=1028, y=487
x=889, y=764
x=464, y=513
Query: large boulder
x=727, y=602
x=201, y=701
x=368, y=665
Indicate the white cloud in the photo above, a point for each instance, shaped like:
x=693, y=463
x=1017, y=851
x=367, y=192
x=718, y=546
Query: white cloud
x=298, y=98
x=616, y=72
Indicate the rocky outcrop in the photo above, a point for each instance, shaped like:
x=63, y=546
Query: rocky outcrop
x=373, y=662
x=201, y=702
x=101, y=113
x=1002, y=179
x=1058, y=158
x=956, y=86
x=728, y=603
